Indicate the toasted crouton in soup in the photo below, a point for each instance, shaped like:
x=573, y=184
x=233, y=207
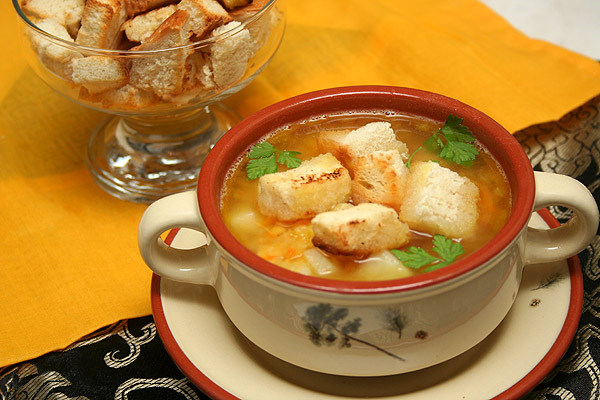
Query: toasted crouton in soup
x=380, y=177
x=101, y=24
x=440, y=201
x=350, y=145
x=359, y=231
x=317, y=185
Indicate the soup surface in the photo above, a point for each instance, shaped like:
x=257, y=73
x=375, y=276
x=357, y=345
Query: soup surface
x=289, y=244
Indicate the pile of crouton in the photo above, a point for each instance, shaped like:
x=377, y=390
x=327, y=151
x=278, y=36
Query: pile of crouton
x=362, y=198
x=121, y=80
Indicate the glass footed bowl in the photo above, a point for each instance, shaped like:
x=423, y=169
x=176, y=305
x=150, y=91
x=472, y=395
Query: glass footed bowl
x=164, y=99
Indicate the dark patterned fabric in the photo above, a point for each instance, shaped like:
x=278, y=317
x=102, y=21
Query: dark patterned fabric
x=128, y=361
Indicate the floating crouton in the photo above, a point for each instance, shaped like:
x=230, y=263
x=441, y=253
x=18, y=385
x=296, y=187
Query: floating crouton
x=142, y=26
x=359, y=231
x=164, y=72
x=205, y=16
x=54, y=55
x=101, y=24
x=99, y=73
x=66, y=12
x=351, y=144
x=380, y=177
x=317, y=185
x=440, y=201
x=229, y=56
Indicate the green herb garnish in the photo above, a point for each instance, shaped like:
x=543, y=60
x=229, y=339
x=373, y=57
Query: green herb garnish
x=411, y=157
x=416, y=257
x=454, y=142
x=264, y=158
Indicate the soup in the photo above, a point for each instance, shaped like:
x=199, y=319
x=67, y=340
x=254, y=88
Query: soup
x=290, y=244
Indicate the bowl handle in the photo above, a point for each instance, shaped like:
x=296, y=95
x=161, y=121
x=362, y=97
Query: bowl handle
x=546, y=245
x=184, y=265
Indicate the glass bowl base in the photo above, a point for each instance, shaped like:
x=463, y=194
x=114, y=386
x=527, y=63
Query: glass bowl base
x=142, y=159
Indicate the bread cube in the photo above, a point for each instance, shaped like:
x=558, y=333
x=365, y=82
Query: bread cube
x=142, y=26
x=136, y=7
x=317, y=185
x=197, y=79
x=359, y=231
x=349, y=145
x=205, y=16
x=229, y=56
x=124, y=98
x=164, y=72
x=380, y=177
x=99, y=73
x=440, y=201
x=101, y=24
x=66, y=12
x=233, y=4
x=54, y=55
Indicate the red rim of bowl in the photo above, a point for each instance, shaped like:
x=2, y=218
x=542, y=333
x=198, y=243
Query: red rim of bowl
x=517, y=390
x=504, y=147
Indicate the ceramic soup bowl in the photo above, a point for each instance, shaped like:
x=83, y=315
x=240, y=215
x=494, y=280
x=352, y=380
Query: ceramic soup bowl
x=366, y=328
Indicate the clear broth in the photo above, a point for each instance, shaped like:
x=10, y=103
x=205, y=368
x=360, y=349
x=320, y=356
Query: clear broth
x=284, y=243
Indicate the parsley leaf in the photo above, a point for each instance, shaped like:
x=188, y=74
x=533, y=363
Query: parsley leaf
x=460, y=153
x=289, y=159
x=416, y=257
x=264, y=158
x=455, y=131
x=258, y=167
x=264, y=149
x=454, y=142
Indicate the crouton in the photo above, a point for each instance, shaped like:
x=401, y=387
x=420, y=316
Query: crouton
x=205, y=16
x=99, y=73
x=136, y=7
x=440, y=201
x=349, y=145
x=101, y=24
x=197, y=79
x=229, y=56
x=124, y=98
x=142, y=26
x=317, y=185
x=259, y=28
x=375, y=136
x=359, y=231
x=379, y=177
x=66, y=12
x=233, y=4
x=163, y=73
x=54, y=55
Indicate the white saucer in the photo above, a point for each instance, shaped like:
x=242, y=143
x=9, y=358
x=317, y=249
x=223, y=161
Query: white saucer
x=509, y=363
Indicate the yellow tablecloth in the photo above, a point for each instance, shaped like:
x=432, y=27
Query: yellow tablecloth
x=68, y=259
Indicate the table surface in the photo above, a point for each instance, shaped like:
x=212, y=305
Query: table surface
x=128, y=356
